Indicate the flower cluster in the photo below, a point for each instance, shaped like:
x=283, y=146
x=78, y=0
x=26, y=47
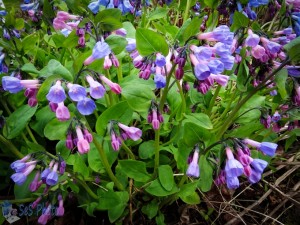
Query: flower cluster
x=48, y=176
x=154, y=116
x=78, y=136
x=124, y=5
x=61, y=23
x=120, y=132
x=156, y=64
x=13, y=85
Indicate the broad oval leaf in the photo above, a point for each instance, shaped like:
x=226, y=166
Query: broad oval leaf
x=148, y=42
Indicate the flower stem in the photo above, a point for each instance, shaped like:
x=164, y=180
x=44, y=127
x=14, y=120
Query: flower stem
x=11, y=147
x=87, y=188
x=213, y=99
x=156, y=157
x=111, y=97
x=106, y=163
x=187, y=9
x=166, y=89
x=128, y=150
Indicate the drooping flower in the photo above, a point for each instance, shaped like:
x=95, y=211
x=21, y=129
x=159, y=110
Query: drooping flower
x=43, y=219
x=97, y=90
x=60, y=210
x=14, y=85
x=116, y=88
x=35, y=184
x=76, y=92
x=268, y=148
x=62, y=112
x=56, y=93
x=82, y=144
x=20, y=178
x=52, y=177
x=133, y=133
x=100, y=50
x=232, y=182
x=193, y=168
x=233, y=167
x=86, y=106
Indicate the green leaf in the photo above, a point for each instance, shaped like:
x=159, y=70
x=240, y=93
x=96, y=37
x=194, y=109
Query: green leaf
x=242, y=76
x=71, y=41
x=280, y=80
x=30, y=43
x=239, y=21
x=147, y=149
x=293, y=49
x=135, y=170
x=158, y=13
x=121, y=112
x=206, y=174
x=187, y=193
x=43, y=116
x=80, y=166
x=160, y=219
x=165, y=176
x=193, y=133
x=56, y=130
x=151, y=209
x=149, y=42
x=130, y=29
x=200, y=119
x=254, y=102
x=94, y=160
x=116, y=212
x=29, y=68
x=19, y=24
x=62, y=150
x=110, y=199
x=54, y=67
x=192, y=28
x=211, y=3
x=157, y=189
x=17, y=121
x=109, y=19
x=116, y=43
x=137, y=93
x=246, y=130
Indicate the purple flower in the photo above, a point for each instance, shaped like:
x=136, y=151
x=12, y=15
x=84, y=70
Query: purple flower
x=20, y=178
x=76, y=92
x=60, y=210
x=160, y=80
x=131, y=44
x=252, y=40
x=11, y=84
x=271, y=46
x=276, y=117
x=222, y=49
x=82, y=144
x=232, y=182
x=266, y=121
x=97, y=90
x=266, y=147
x=193, y=168
x=160, y=60
x=34, y=185
x=132, y=132
x=202, y=53
x=115, y=141
x=43, y=219
x=56, y=93
x=233, y=167
x=259, y=165
x=114, y=87
x=86, y=106
x=221, y=34
x=220, y=79
x=52, y=177
x=87, y=135
x=228, y=61
x=94, y=6
x=100, y=50
x=26, y=7
x=62, y=112
x=215, y=66
x=254, y=177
